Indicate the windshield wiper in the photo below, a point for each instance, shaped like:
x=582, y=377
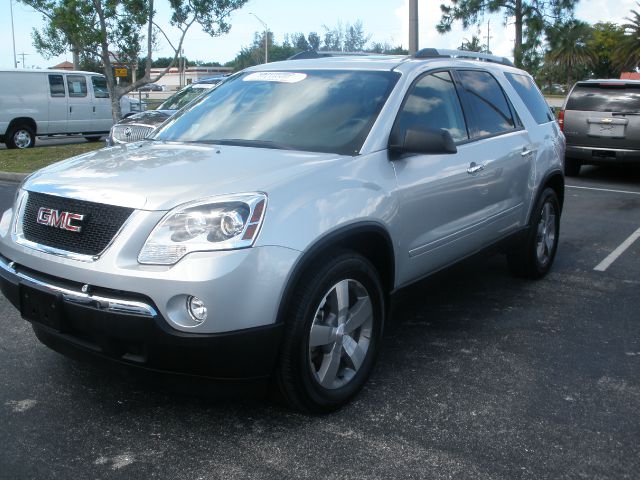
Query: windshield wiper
x=626, y=113
x=241, y=142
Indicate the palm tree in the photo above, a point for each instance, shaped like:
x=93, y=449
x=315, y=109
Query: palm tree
x=627, y=56
x=568, y=47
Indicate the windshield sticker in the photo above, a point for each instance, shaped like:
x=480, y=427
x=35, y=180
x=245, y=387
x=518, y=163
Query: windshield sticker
x=282, y=77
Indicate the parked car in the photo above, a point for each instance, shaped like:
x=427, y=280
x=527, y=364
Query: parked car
x=136, y=127
x=601, y=121
x=151, y=87
x=43, y=103
x=259, y=233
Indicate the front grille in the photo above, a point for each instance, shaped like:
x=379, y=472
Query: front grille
x=130, y=133
x=100, y=224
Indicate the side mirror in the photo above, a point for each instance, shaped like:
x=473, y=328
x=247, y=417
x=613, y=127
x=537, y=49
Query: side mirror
x=427, y=141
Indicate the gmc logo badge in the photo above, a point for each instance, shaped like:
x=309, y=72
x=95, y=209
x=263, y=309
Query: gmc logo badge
x=58, y=219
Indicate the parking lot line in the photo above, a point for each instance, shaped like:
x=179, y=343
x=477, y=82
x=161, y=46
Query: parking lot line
x=603, y=189
x=606, y=263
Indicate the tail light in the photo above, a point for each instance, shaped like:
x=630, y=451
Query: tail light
x=561, y=120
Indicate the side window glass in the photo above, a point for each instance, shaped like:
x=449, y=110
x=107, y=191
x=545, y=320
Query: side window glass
x=100, y=89
x=433, y=103
x=531, y=96
x=489, y=107
x=77, y=86
x=56, y=85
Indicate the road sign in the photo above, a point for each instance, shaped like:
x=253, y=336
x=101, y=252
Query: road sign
x=120, y=72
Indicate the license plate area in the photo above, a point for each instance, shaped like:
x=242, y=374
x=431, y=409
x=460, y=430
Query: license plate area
x=607, y=128
x=40, y=307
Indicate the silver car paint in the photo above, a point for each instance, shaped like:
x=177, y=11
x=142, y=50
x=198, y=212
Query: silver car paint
x=310, y=196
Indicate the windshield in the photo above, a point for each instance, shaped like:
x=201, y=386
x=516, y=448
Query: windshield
x=315, y=110
x=184, y=96
x=597, y=97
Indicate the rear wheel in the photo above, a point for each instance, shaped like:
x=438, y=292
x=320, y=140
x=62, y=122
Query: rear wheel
x=21, y=136
x=571, y=167
x=534, y=257
x=333, y=331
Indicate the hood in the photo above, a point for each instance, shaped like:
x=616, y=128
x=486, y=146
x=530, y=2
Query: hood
x=150, y=117
x=160, y=175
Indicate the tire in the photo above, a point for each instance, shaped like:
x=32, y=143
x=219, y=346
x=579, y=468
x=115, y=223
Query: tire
x=327, y=357
x=571, y=167
x=20, y=136
x=534, y=257
x=93, y=139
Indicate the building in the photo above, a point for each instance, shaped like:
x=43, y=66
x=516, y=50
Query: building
x=174, y=78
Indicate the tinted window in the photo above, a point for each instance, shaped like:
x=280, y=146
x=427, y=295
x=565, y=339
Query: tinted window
x=77, y=86
x=321, y=111
x=433, y=103
x=56, y=85
x=100, y=89
x=531, y=96
x=605, y=98
x=490, y=111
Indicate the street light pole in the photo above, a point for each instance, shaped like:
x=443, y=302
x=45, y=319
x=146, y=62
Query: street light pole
x=266, y=37
x=13, y=37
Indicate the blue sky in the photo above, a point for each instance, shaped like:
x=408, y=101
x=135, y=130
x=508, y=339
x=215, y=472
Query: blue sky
x=386, y=21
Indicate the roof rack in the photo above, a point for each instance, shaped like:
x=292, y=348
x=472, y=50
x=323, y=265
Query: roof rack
x=440, y=53
x=320, y=54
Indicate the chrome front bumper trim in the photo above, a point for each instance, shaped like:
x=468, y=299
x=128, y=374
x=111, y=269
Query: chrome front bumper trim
x=112, y=305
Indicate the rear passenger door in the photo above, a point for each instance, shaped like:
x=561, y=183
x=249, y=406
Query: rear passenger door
x=80, y=104
x=58, y=105
x=502, y=151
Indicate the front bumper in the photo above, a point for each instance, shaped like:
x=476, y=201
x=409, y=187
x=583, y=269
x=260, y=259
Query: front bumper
x=598, y=155
x=127, y=327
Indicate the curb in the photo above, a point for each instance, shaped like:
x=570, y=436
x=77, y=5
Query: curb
x=13, y=177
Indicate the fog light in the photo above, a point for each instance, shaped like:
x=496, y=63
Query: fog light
x=196, y=309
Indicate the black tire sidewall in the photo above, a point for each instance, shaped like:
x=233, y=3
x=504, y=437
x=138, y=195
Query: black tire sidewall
x=538, y=269
x=11, y=136
x=345, y=266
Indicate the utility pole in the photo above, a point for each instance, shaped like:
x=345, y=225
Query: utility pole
x=488, y=34
x=413, y=26
x=13, y=37
x=23, y=55
x=266, y=38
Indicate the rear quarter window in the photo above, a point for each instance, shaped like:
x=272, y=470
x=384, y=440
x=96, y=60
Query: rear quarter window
x=598, y=97
x=531, y=97
x=56, y=85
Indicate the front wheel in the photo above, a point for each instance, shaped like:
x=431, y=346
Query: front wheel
x=21, y=136
x=534, y=256
x=333, y=330
x=93, y=139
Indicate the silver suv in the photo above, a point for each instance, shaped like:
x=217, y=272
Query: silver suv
x=601, y=120
x=260, y=232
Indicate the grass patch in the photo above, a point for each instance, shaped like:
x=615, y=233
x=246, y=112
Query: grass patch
x=31, y=159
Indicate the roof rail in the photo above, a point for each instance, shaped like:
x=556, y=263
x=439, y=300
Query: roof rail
x=320, y=54
x=440, y=53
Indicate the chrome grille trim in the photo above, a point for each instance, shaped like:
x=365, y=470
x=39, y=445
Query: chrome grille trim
x=136, y=132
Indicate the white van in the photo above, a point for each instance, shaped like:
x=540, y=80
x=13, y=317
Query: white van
x=40, y=103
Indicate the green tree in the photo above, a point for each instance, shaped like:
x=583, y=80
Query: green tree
x=627, y=56
x=473, y=45
x=569, y=48
x=125, y=28
x=314, y=41
x=530, y=17
x=606, y=39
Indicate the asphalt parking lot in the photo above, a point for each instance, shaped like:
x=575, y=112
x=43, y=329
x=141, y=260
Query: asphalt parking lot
x=481, y=376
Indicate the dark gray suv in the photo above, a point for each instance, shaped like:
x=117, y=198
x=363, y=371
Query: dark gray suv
x=601, y=122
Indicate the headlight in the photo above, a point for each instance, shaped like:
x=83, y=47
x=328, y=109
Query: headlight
x=217, y=223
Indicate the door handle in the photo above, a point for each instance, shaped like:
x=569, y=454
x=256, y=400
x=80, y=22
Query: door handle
x=475, y=168
x=526, y=151
x=70, y=109
x=94, y=109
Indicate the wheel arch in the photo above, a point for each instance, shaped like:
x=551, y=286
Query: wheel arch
x=369, y=239
x=554, y=180
x=30, y=122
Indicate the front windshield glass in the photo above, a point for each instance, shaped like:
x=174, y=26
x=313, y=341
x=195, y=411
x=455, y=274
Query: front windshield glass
x=315, y=110
x=184, y=96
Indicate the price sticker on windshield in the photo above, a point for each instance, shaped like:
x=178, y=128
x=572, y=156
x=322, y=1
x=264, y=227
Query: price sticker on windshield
x=280, y=77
